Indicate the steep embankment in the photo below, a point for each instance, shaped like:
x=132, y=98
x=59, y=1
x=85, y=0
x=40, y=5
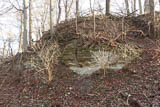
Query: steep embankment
x=136, y=85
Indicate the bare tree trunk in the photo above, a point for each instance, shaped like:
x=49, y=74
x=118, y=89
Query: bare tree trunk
x=91, y=9
x=20, y=35
x=44, y=17
x=4, y=48
x=146, y=7
x=25, y=41
x=159, y=3
x=151, y=2
x=59, y=11
x=107, y=7
x=51, y=28
x=151, y=5
x=140, y=7
x=149, y=9
x=127, y=7
x=30, y=22
x=134, y=7
x=10, y=52
x=39, y=34
x=94, y=18
x=77, y=8
x=77, y=15
x=66, y=7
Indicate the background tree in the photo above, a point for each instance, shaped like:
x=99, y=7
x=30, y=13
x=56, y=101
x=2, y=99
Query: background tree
x=140, y=6
x=152, y=28
x=41, y=18
x=30, y=22
x=67, y=7
x=159, y=3
x=134, y=7
x=5, y=8
x=77, y=8
x=151, y=5
x=149, y=9
x=127, y=6
x=4, y=49
x=146, y=7
x=51, y=28
x=40, y=14
x=107, y=7
x=20, y=31
x=25, y=41
x=10, y=50
x=59, y=11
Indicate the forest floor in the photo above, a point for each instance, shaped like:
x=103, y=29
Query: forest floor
x=136, y=85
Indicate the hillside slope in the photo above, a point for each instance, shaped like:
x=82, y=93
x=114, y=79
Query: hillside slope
x=136, y=85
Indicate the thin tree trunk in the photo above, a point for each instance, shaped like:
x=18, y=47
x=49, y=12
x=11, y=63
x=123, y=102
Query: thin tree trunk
x=66, y=13
x=30, y=22
x=94, y=18
x=147, y=7
x=134, y=7
x=151, y=2
x=20, y=35
x=4, y=48
x=51, y=28
x=151, y=5
x=77, y=8
x=140, y=7
x=44, y=17
x=77, y=15
x=10, y=52
x=91, y=9
x=59, y=11
x=107, y=7
x=25, y=41
x=159, y=4
x=67, y=8
x=127, y=7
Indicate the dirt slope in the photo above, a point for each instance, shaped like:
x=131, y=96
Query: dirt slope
x=136, y=85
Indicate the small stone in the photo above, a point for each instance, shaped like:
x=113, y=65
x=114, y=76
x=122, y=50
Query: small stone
x=70, y=88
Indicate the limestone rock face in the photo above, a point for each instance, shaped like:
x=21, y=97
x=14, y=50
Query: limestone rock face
x=89, y=60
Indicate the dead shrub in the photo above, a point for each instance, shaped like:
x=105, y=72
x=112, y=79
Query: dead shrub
x=46, y=58
x=104, y=58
